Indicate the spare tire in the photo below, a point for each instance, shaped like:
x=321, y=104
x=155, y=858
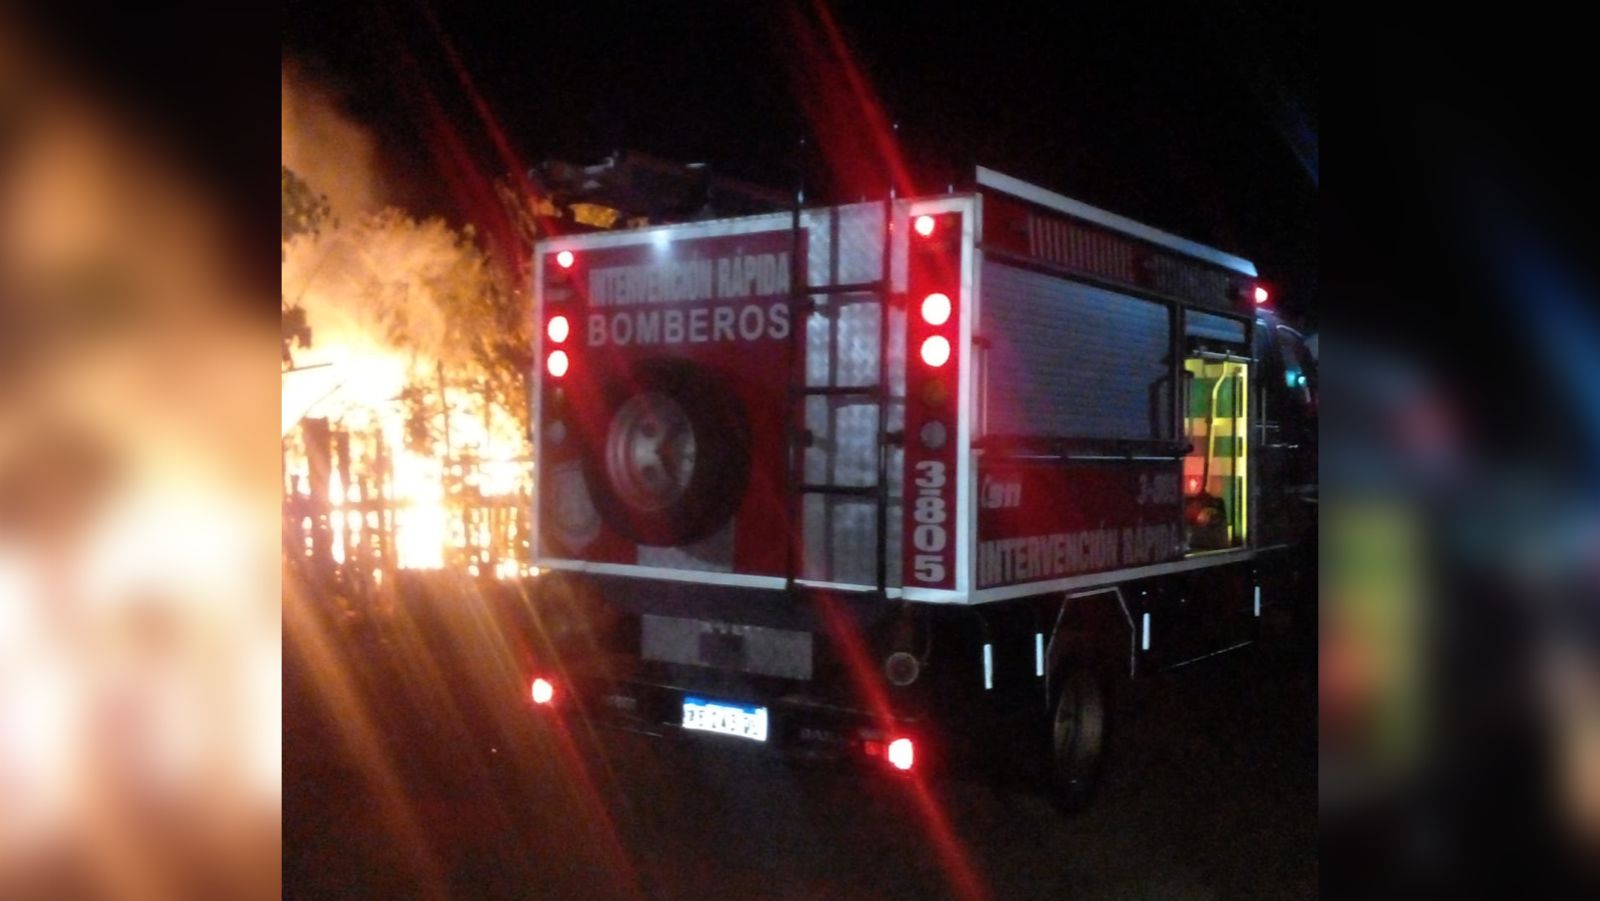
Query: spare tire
x=672, y=462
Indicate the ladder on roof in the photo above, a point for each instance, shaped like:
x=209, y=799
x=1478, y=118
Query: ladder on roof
x=830, y=301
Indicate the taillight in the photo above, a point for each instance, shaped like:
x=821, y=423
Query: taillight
x=1261, y=295
x=924, y=225
x=565, y=259
x=542, y=691
x=936, y=350
x=557, y=329
x=556, y=364
x=936, y=308
x=902, y=754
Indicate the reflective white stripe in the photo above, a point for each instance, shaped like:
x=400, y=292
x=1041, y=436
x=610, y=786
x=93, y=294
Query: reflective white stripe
x=1038, y=653
x=1258, y=600
x=1090, y=580
x=1144, y=642
x=988, y=667
x=846, y=586
x=657, y=572
x=931, y=595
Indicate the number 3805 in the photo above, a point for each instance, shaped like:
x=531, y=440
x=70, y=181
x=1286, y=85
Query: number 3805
x=930, y=536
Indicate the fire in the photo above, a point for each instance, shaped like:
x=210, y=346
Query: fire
x=391, y=503
x=412, y=450
x=404, y=397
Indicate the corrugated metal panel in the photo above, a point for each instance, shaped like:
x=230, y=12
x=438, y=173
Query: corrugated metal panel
x=1210, y=325
x=1068, y=359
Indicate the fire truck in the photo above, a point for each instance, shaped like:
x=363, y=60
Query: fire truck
x=901, y=480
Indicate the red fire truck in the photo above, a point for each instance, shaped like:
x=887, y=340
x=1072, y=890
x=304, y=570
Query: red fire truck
x=900, y=479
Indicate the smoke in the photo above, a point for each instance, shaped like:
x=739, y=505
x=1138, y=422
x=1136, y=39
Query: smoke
x=331, y=152
x=392, y=300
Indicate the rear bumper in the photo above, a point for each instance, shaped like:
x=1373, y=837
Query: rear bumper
x=840, y=706
x=799, y=726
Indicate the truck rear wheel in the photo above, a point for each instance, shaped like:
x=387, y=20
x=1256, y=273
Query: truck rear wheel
x=1077, y=736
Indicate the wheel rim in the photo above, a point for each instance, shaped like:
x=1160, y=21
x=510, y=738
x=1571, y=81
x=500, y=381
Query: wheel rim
x=650, y=451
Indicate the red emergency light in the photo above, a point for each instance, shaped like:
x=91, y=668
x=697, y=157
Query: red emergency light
x=924, y=225
x=542, y=691
x=557, y=329
x=1260, y=295
x=557, y=363
x=936, y=350
x=565, y=259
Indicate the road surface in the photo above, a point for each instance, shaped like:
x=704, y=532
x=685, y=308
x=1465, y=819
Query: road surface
x=396, y=787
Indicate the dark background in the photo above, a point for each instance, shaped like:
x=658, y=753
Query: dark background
x=1199, y=120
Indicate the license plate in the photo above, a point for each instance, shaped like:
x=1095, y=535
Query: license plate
x=725, y=719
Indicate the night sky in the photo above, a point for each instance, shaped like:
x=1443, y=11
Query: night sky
x=1201, y=121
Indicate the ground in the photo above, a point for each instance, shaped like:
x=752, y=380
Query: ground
x=1211, y=795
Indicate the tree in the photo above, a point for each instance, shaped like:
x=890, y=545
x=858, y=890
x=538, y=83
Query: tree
x=304, y=212
x=408, y=302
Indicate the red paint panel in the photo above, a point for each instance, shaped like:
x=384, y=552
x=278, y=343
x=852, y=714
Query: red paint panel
x=1039, y=521
x=929, y=516
x=722, y=304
